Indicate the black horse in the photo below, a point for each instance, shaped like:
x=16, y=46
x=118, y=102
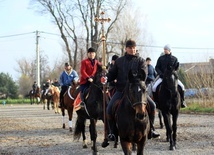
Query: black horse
x=169, y=103
x=35, y=95
x=93, y=110
x=132, y=118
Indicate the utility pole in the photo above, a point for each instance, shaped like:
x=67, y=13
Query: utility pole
x=37, y=59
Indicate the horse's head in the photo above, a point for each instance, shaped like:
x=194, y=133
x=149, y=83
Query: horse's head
x=136, y=94
x=52, y=90
x=99, y=73
x=74, y=88
x=170, y=79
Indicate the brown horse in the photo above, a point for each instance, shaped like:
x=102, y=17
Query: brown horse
x=54, y=95
x=132, y=118
x=35, y=95
x=68, y=100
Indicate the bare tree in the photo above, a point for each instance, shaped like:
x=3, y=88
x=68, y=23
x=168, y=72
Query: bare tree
x=75, y=20
x=128, y=26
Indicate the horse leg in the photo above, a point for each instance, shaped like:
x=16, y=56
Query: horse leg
x=126, y=146
x=93, y=134
x=55, y=108
x=63, y=117
x=141, y=145
x=167, y=122
x=70, y=115
x=160, y=119
x=48, y=104
x=174, y=127
x=84, y=144
x=43, y=104
x=116, y=136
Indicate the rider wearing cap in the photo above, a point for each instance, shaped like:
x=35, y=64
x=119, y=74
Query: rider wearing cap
x=88, y=69
x=66, y=78
x=34, y=86
x=164, y=60
x=131, y=61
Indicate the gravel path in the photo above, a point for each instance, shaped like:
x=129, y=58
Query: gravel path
x=28, y=129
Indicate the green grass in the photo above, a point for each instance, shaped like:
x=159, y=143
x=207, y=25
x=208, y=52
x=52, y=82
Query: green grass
x=199, y=106
x=15, y=101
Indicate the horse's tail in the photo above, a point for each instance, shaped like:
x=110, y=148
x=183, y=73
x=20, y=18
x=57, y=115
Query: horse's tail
x=79, y=127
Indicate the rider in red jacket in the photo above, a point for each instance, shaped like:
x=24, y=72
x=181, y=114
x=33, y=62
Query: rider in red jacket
x=88, y=69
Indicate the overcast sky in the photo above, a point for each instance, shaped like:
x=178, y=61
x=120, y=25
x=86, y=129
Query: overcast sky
x=185, y=24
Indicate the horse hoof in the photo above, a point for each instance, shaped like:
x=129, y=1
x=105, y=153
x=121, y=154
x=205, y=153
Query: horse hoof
x=95, y=152
x=172, y=148
x=63, y=126
x=105, y=143
x=70, y=129
x=85, y=146
x=115, y=145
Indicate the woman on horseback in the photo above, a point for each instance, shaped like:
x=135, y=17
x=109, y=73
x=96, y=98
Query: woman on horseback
x=66, y=78
x=88, y=69
x=162, y=63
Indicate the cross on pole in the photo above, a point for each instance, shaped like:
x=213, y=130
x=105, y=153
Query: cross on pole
x=102, y=20
x=103, y=38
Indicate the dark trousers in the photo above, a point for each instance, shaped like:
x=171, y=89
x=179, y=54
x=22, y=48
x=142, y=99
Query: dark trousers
x=117, y=95
x=62, y=92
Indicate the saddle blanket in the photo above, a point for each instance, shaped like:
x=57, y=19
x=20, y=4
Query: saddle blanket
x=77, y=102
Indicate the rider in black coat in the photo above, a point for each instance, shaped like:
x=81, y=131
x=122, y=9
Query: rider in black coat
x=169, y=60
x=132, y=63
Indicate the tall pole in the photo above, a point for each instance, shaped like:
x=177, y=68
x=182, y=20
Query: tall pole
x=37, y=59
x=103, y=38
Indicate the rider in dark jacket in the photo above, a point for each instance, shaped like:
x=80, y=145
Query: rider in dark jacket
x=151, y=72
x=168, y=60
x=34, y=86
x=120, y=70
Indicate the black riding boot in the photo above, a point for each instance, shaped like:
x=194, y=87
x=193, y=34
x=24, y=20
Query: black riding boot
x=155, y=97
x=183, y=103
x=111, y=136
x=82, y=99
x=152, y=133
x=61, y=103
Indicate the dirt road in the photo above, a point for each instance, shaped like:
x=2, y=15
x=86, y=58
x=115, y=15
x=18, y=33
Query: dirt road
x=30, y=130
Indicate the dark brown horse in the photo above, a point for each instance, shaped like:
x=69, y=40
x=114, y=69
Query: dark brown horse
x=93, y=110
x=169, y=103
x=35, y=95
x=132, y=118
x=68, y=101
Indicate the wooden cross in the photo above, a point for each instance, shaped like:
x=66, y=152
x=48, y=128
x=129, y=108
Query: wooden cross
x=103, y=38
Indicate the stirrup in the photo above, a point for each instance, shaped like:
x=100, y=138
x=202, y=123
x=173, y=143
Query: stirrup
x=111, y=137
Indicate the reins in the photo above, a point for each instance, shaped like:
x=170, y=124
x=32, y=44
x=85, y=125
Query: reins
x=69, y=93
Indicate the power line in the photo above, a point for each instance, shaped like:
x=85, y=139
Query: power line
x=15, y=35
x=108, y=42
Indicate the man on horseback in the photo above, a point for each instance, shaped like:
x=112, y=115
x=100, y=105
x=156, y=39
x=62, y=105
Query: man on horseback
x=56, y=83
x=112, y=84
x=34, y=86
x=88, y=69
x=151, y=72
x=131, y=61
x=162, y=63
x=66, y=78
